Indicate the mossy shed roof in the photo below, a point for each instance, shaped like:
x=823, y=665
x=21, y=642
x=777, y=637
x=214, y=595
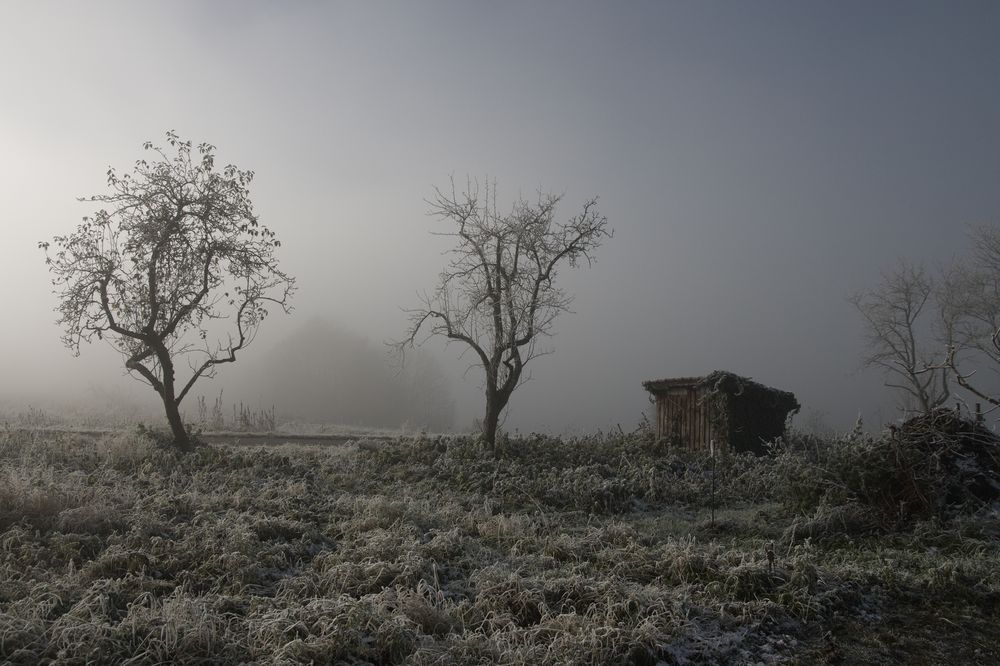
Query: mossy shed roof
x=728, y=383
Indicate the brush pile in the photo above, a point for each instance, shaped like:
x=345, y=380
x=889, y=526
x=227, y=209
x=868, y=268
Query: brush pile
x=957, y=461
x=936, y=465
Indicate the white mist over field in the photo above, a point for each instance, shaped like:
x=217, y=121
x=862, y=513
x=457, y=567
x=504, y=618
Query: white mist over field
x=758, y=163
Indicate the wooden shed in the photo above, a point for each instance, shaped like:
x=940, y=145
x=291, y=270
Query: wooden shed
x=737, y=413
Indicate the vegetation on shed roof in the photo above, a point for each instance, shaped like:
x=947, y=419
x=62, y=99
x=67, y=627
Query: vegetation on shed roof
x=729, y=383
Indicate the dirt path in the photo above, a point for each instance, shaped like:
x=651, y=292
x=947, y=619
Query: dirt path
x=278, y=439
x=238, y=438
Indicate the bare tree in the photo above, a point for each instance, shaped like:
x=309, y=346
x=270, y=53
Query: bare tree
x=970, y=313
x=498, y=294
x=176, y=267
x=898, y=316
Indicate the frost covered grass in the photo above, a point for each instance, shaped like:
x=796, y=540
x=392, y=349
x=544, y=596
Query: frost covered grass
x=597, y=550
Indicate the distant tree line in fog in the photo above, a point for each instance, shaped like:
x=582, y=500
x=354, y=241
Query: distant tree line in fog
x=323, y=372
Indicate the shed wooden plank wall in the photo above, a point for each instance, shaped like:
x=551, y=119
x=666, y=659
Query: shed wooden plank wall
x=683, y=406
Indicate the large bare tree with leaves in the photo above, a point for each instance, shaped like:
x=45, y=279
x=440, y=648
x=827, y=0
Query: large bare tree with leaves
x=498, y=293
x=899, y=317
x=175, y=271
x=969, y=295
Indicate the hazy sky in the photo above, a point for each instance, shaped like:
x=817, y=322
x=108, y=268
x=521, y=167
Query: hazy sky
x=758, y=162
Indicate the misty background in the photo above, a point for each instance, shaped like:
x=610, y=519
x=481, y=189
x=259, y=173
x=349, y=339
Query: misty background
x=758, y=162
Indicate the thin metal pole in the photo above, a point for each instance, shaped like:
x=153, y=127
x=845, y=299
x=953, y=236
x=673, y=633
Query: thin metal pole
x=711, y=450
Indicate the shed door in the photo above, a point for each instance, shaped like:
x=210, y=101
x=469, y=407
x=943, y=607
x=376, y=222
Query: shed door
x=682, y=419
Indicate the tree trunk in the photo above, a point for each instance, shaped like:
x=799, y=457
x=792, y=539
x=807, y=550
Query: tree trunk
x=181, y=439
x=492, y=420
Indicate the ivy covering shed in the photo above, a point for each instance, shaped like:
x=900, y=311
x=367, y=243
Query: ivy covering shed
x=735, y=412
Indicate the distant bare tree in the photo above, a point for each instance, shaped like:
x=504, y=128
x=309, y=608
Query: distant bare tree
x=498, y=294
x=899, y=316
x=970, y=311
x=176, y=267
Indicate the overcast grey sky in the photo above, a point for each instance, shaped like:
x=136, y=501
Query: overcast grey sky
x=758, y=161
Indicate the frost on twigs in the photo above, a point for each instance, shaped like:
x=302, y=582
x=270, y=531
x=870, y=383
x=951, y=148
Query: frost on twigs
x=174, y=270
x=498, y=294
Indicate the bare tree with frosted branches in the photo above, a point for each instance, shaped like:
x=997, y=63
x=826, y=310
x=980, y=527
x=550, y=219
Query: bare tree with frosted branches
x=175, y=266
x=899, y=318
x=498, y=295
x=970, y=311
